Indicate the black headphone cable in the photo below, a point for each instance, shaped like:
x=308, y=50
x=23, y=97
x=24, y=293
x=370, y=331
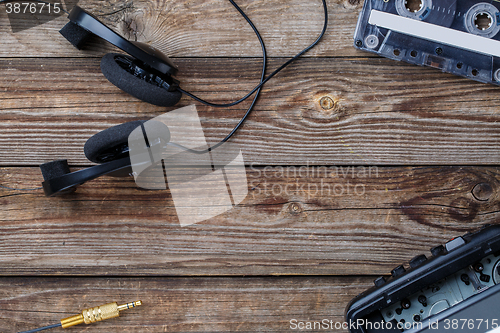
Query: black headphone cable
x=263, y=80
x=325, y=26
x=43, y=328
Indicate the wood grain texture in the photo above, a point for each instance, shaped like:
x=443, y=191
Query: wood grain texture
x=298, y=221
x=383, y=112
x=310, y=214
x=199, y=28
x=180, y=304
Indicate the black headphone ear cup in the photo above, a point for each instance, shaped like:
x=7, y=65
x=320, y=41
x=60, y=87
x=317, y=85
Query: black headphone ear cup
x=110, y=144
x=51, y=171
x=75, y=34
x=135, y=86
x=54, y=169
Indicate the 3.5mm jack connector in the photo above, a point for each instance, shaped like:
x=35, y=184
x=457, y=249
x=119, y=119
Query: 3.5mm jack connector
x=92, y=315
x=103, y=312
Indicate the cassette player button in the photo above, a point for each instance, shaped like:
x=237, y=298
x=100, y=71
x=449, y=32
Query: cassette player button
x=437, y=250
x=418, y=260
x=455, y=243
x=379, y=282
x=398, y=271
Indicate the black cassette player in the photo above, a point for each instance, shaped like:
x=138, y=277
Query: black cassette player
x=457, y=289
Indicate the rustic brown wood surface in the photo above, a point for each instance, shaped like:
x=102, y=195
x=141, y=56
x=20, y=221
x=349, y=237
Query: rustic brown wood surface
x=399, y=158
x=347, y=220
x=383, y=112
x=263, y=304
x=200, y=28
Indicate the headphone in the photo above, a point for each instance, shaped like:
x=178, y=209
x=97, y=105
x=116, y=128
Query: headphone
x=144, y=73
x=108, y=148
x=147, y=74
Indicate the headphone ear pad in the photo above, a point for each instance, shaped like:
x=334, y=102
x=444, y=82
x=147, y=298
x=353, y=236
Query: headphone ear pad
x=110, y=144
x=51, y=171
x=135, y=86
x=75, y=34
x=54, y=169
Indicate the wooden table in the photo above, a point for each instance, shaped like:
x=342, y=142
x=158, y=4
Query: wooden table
x=411, y=155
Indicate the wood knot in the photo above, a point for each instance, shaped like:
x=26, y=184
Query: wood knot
x=351, y=4
x=326, y=103
x=132, y=27
x=482, y=191
x=295, y=208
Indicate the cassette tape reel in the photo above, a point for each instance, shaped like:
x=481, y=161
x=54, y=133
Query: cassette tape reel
x=456, y=36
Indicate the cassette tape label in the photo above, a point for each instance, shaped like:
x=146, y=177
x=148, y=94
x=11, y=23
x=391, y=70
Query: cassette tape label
x=457, y=36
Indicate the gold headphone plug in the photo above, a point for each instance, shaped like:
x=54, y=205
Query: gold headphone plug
x=98, y=313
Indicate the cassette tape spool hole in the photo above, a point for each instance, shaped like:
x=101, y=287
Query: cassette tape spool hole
x=414, y=6
x=415, y=9
x=440, y=12
x=482, y=20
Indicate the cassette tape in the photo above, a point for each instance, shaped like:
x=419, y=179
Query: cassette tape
x=456, y=36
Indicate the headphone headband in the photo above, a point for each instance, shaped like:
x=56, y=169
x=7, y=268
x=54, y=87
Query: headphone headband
x=65, y=183
x=79, y=18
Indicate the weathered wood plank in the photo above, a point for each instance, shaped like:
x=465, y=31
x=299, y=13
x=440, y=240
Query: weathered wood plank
x=313, y=221
x=180, y=304
x=383, y=112
x=199, y=28
x=340, y=221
